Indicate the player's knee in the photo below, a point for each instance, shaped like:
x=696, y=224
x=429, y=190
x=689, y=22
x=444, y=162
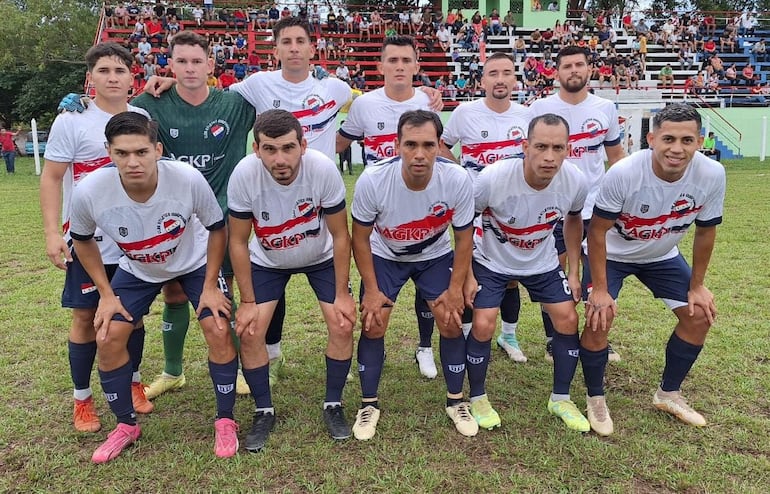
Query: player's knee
x=341, y=333
x=374, y=332
x=82, y=328
x=483, y=327
x=697, y=323
x=565, y=321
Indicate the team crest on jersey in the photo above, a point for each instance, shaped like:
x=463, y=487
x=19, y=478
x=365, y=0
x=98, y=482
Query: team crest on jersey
x=304, y=208
x=439, y=209
x=380, y=125
x=174, y=133
x=217, y=129
x=171, y=223
x=313, y=102
x=644, y=208
x=484, y=134
x=276, y=103
x=591, y=126
x=512, y=220
x=265, y=216
x=683, y=204
x=549, y=215
x=123, y=231
x=516, y=134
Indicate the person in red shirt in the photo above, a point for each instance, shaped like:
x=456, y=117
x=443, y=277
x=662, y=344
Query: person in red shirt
x=606, y=72
x=8, y=149
x=154, y=30
x=710, y=24
x=710, y=47
x=255, y=63
x=747, y=74
x=227, y=79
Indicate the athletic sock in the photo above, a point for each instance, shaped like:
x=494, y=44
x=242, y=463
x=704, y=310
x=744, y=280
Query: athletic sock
x=478, y=353
x=371, y=357
x=425, y=320
x=259, y=383
x=453, y=362
x=116, y=385
x=176, y=320
x=275, y=328
x=565, y=360
x=135, y=348
x=336, y=376
x=547, y=324
x=223, y=377
x=82, y=356
x=594, y=364
x=680, y=357
x=509, y=310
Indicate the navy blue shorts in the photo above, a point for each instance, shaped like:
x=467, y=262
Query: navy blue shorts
x=431, y=277
x=79, y=290
x=548, y=288
x=137, y=295
x=668, y=280
x=558, y=235
x=270, y=283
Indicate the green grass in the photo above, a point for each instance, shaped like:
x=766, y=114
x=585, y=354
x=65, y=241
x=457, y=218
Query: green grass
x=416, y=449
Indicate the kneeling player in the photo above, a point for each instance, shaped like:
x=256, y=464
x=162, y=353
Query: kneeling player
x=146, y=206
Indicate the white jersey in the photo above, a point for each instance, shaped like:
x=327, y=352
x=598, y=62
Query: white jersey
x=288, y=220
x=315, y=103
x=485, y=135
x=156, y=236
x=652, y=215
x=373, y=117
x=78, y=139
x=412, y=225
x=593, y=123
x=518, y=220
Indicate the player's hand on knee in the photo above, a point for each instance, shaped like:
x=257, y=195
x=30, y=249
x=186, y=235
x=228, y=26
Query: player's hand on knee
x=107, y=308
x=702, y=297
x=601, y=309
x=57, y=251
x=452, y=303
x=345, y=308
x=246, y=318
x=216, y=301
x=470, y=288
x=372, y=305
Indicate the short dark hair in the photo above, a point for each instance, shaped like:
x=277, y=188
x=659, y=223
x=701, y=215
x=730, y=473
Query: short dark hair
x=498, y=55
x=399, y=41
x=288, y=22
x=109, y=49
x=131, y=123
x=416, y=118
x=570, y=50
x=276, y=123
x=551, y=119
x=676, y=112
x=189, y=38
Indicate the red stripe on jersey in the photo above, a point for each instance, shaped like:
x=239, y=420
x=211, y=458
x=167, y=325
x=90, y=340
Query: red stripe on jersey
x=83, y=168
x=527, y=230
x=419, y=229
x=587, y=135
x=65, y=227
x=482, y=147
x=629, y=221
x=267, y=231
x=151, y=242
x=310, y=112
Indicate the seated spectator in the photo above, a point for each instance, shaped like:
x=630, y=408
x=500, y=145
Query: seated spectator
x=628, y=24
x=359, y=82
x=274, y=15
x=143, y=49
x=548, y=74
x=607, y=73
x=444, y=38
x=509, y=23
x=536, y=41
x=239, y=19
x=375, y=19
x=495, y=25
x=342, y=72
x=423, y=78
x=553, y=6
x=747, y=75
x=240, y=69
x=462, y=84
x=364, y=27
x=240, y=46
x=227, y=79
x=314, y=20
x=254, y=62
x=713, y=84
x=320, y=48
x=731, y=75
x=759, y=50
x=519, y=47
x=709, y=47
x=699, y=83
x=173, y=23
x=138, y=33
x=331, y=22
x=440, y=84
x=666, y=76
x=641, y=27
x=710, y=147
x=621, y=76
x=451, y=89
x=150, y=68
x=709, y=25
x=633, y=76
x=685, y=61
x=120, y=16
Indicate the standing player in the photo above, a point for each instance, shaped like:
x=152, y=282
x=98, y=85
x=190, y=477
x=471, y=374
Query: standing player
x=294, y=201
x=76, y=148
x=146, y=205
x=402, y=210
x=593, y=124
x=644, y=208
x=207, y=129
x=520, y=202
x=373, y=118
x=490, y=129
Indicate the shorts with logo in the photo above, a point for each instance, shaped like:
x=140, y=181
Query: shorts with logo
x=270, y=283
x=668, y=280
x=548, y=288
x=79, y=290
x=431, y=277
x=137, y=295
x=558, y=235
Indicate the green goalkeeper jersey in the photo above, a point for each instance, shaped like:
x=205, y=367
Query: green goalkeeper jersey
x=211, y=136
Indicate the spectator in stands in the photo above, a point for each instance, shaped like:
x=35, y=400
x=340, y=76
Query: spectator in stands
x=359, y=81
x=553, y=6
x=641, y=27
x=536, y=6
x=519, y=47
x=331, y=22
x=606, y=73
x=747, y=75
x=150, y=68
x=685, y=62
x=429, y=38
x=224, y=16
x=416, y=22
x=229, y=43
x=622, y=80
x=710, y=147
x=440, y=84
x=134, y=13
x=154, y=29
x=495, y=23
x=320, y=48
x=423, y=78
x=451, y=89
x=364, y=28
x=143, y=49
x=666, y=76
x=759, y=50
x=404, y=22
x=342, y=49
x=699, y=83
x=444, y=38
x=643, y=47
x=171, y=35
x=314, y=20
x=172, y=22
x=633, y=76
x=509, y=24
x=709, y=47
x=709, y=25
x=628, y=24
x=588, y=22
x=375, y=20
x=260, y=19
x=462, y=85
x=713, y=84
x=548, y=74
x=536, y=41
x=139, y=32
x=240, y=69
x=285, y=12
x=241, y=45
x=274, y=15
x=255, y=62
x=342, y=72
x=120, y=16
x=474, y=71
x=161, y=60
x=197, y=13
x=109, y=16
x=227, y=78
x=331, y=49
x=240, y=19
x=731, y=75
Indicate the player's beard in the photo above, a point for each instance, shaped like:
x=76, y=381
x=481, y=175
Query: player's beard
x=574, y=87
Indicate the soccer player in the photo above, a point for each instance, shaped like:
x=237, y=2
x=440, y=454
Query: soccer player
x=150, y=208
x=75, y=149
x=207, y=129
x=593, y=124
x=293, y=198
x=490, y=129
x=373, y=118
x=402, y=211
x=520, y=202
x=646, y=204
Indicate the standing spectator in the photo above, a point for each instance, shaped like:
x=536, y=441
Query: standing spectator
x=509, y=23
x=208, y=6
x=8, y=149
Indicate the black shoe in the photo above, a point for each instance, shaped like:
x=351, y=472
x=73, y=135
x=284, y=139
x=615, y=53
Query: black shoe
x=334, y=417
x=260, y=431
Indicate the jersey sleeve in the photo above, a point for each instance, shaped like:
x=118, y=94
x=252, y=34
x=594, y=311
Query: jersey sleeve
x=205, y=205
x=610, y=199
x=451, y=133
x=353, y=127
x=481, y=190
x=238, y=200
x=613, y=132
x=61, y=141
x=581, y=192
x=711, y=214
x=364, y=208
x=82, y=221
x=464, y=207
x=249, y=90
x=333, y=194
